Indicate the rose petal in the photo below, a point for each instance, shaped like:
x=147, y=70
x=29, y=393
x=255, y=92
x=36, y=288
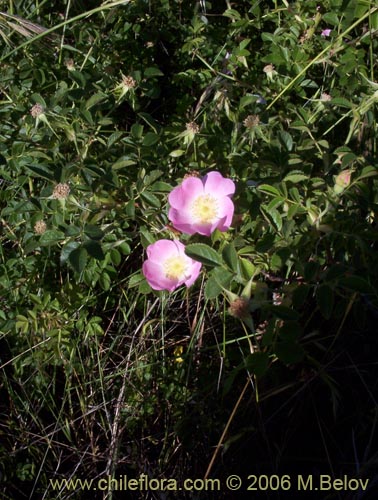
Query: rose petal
x=156, y=278
x=216, y=185
x=182, y=195
x=226, y=213
x=161, y=249
x=195, y=270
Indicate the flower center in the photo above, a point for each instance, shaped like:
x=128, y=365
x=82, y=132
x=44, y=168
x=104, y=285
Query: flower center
x=175, y=268
x=205, y=208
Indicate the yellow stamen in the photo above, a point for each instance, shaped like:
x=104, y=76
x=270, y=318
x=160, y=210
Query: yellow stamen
x=175, y=268
x=205, y=208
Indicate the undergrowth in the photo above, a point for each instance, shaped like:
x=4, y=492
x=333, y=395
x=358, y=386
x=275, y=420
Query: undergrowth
x=105, y=107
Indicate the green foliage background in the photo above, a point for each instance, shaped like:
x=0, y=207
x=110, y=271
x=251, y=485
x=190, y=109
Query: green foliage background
x=101, y=375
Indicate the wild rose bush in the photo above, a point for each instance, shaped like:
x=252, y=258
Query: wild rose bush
x=188, y=216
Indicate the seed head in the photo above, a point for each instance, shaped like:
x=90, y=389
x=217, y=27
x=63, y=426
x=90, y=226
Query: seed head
x=251, y=121
x=37, y=110
x=269, y=69
x=61, y=191
x=70, y=64
x=239, y=308
x=128, y=82
x=325, y=97
x=192, y=127
x=40, y=227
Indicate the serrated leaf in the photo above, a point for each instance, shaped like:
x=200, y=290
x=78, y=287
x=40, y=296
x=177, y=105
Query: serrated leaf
x=122, y=163
x=94, y=232
x=203, y=253
x=282, y=312
x=153, y=71
x=161, y=186
x=114, y=137
x=95, y=99
x=275, y=202
x=94, y=249
x=150, y=139
x=295, y=177
x=51, y=237
x=67, y=249
x=366, y=172
x=219, y=279
x=286, y=140
x=105, y=281
x=325, y=299
x=41, y=171
x=343, y=103
x=176, y=153
x=212, y=289
x=137, y=130
x=266, y=188
x=272, y=216
x=289, y=352
x=357, y=284
x=151, y=199
x=136, y=279
x=78, y=259
x=257, y=363
x=230, y=257
x=115, y=256
x=247, y=268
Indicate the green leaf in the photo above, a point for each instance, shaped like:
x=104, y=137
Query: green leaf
x=145, y=236
x=41, y=171
x=78, y=259
x=290, y=331
x=247, y=268
x=273, y=216
x=94, y=249
x=176, y=153
x=94, y=232
x=220, y=278
x=369, y=171
x=343, y=103
x=282, y=312
x=230, y=257
x=114, y=137
x=311, y=270
x=203, y=253
x=136, y=279
x=266, y=188
x=289, y=352
x=161, y=186
x=67, y=249
x=151, y=199
x=153, y=71
x=123, y=162
x=295, y=176
x=357, y=284
x=325, y=299
x=257, y=363
x=286, y=140
x=137, y=130
x=150, y=139
x=95, y=99
x=115, y=256
x=51, y=237
x=300, y=295
x=105, y=281
x=275, y=202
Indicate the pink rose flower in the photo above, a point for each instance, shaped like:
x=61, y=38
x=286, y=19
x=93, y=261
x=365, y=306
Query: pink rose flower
x=326, y=32
x=168, y=267
x=202, y=205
